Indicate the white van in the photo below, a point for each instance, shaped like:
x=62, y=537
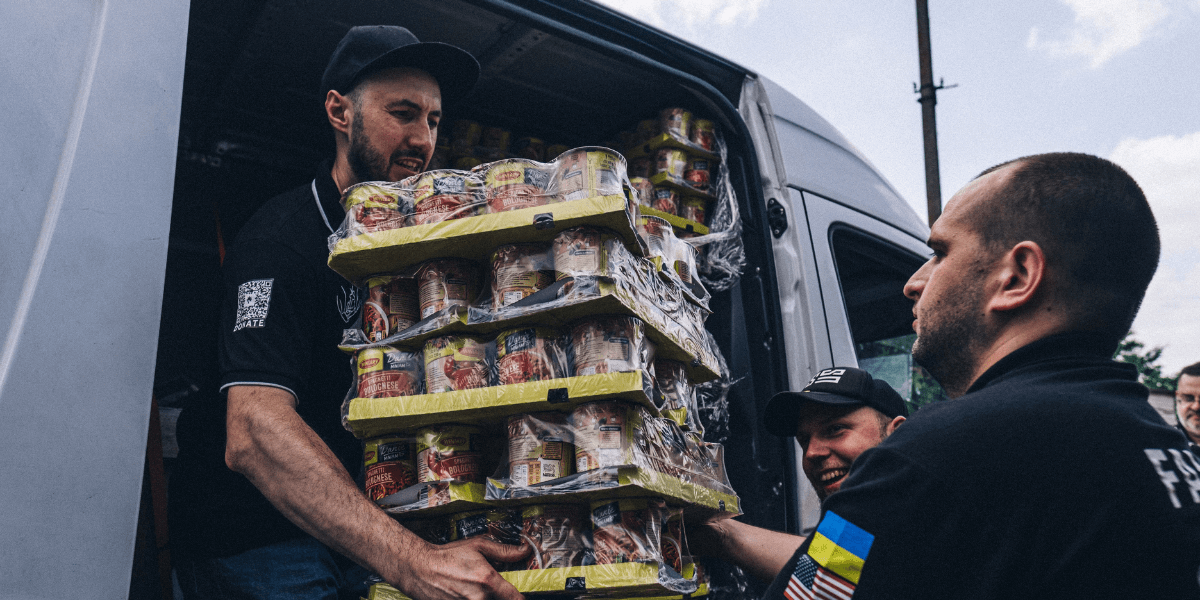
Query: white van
x=133, y=127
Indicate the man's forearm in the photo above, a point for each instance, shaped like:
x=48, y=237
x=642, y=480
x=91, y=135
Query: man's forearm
x=760, y=552
x=289, y=463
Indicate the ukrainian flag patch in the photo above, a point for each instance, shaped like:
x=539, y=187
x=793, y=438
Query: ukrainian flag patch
x=840, y=546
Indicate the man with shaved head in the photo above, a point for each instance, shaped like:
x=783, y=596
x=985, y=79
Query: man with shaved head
x=1047, y=475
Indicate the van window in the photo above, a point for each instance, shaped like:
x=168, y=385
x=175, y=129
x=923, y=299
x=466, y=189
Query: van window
x=872, y=274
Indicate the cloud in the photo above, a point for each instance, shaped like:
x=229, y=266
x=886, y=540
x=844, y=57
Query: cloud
x=672, y=14
x=1104, y=28
x=1168, y=169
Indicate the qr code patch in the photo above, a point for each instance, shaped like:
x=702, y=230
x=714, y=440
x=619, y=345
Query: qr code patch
x=254, y=298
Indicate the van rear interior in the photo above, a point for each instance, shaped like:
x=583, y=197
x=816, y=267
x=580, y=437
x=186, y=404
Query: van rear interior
x=253, y=126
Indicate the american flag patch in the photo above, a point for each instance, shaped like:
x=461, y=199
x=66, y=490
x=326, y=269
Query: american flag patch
x=811, y=581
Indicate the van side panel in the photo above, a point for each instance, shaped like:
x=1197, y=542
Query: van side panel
x=93, y=98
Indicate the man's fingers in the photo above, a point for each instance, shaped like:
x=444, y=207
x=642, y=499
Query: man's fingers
x=503, y=590
x=497, y=552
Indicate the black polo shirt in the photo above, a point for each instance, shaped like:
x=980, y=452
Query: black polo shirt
x=1051, y=478
x=282, y=318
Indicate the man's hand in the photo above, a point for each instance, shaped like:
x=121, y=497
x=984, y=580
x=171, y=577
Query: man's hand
x=288, y=462
x=461, y=571
x=760, y=552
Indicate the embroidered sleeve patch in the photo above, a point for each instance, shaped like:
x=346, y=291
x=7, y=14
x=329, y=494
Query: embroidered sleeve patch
x=835, y=558
x=254, y=298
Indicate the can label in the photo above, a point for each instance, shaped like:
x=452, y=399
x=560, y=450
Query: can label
x=455, y=363
x=501, y=526
x=592, y=171
x=390, y=466
x=519, y=271
x=557, y=533
x=665, y=199
x=449, y=452
x=388, y=373
x=539, y=448
x=444, y=283
x=607, y=345
x=627, y=530
x=515, y=184
x=694, y=209
x=601, y=431
x=697, y=174
x=671, y=161
x=392, y=306
x=530, y=354
x=377, y=208
x=579, y=251
x=704, y=134
x=442, y=195
x=675, y=121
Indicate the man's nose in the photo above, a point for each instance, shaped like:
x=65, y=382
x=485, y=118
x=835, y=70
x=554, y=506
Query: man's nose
x=916, y=283
x=816, y=449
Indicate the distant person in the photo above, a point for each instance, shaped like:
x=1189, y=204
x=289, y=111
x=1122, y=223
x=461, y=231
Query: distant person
x=265, y=504
x=842, y=412
x=1187, y=403
x=1047, y=474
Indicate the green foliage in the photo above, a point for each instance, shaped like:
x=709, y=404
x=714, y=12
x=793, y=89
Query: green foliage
x=1146, y=360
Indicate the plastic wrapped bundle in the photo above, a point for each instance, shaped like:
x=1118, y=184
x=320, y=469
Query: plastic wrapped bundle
x=450, y=452
x=540, y=448
x=377, y=206
x=559, y=535
x=392, y=306
x=610, y=344
x=678, y=395
x=456, y=362
x=530, y=354
x=628, y=530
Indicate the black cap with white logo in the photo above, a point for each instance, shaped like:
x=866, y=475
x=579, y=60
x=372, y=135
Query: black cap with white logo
x=846, y=386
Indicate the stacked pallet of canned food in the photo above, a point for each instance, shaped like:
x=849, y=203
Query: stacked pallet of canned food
x=526, y=369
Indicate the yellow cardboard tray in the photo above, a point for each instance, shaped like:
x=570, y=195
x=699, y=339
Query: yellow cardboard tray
x=680, y=185
x=666, y=140
x=371, y=417
x=453, y=498
x=636, y=482
x=360, y=256
x=676, y=221
x=636, y=579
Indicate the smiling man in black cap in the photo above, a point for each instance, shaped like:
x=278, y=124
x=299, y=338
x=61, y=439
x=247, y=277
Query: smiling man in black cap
x=840, y=414
x=264, y=503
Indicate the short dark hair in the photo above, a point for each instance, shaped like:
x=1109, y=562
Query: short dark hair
x=1192, y=370
x=1094, y=224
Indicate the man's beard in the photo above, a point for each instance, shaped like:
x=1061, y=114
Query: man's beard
x=949, y=344
x=366, y=163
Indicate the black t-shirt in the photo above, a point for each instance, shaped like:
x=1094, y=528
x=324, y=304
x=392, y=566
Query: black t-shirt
x=1051, y=478
x=282, y=318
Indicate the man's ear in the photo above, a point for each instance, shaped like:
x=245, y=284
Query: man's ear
x=891, y=427
x=339, y=110
x=1019, y=275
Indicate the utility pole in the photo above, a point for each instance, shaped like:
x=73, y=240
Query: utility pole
x=928, y=91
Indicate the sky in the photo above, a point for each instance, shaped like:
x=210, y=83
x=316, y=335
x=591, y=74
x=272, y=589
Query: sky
x=1113, y=78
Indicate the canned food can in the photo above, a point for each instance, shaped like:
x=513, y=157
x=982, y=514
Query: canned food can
x=697, y=174
x=672, y=540
x=675, y=121
x=694, y=209
x=529, y=354
x=531, y=148
x=628, y=530
x=392, y=305
x=671, y=161
x=609, y=344
x=539, y=448
x=658, y=234
x=449, y=453
x=704, y=134
x=602, y=431
x=495, y=137
x=373, y=207
x=515, y=183
x=642, y=166
x=590, y=171
x=388, y=373
x=519, y=271
x=443, y=195
x=643, y=190
x=557, y=533
x=446, y=282
x=665, y=199
x=498, y=525
x=455, y=362
x=580, y=251
x=390, y=466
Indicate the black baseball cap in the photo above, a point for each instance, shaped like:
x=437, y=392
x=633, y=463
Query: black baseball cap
x=369, y=48
x=846, y=386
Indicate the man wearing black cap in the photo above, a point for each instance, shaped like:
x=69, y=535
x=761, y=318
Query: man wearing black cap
x=840, y=414
x=286, y=519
